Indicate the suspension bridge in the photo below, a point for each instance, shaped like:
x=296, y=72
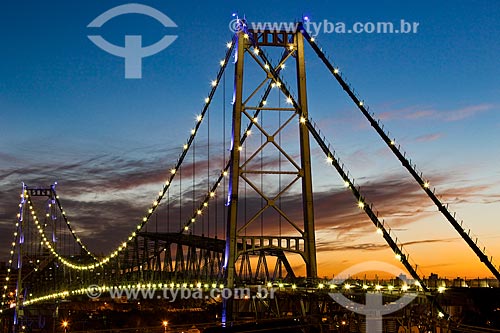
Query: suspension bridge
x=226, y=215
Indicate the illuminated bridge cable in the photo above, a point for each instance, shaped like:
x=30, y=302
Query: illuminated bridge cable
x=16, y=238
x=361, y=202
x=161, y=194
x=212, y=191
x=45, y=241
x=368, y=209
x=68, y=224
x=405, y=161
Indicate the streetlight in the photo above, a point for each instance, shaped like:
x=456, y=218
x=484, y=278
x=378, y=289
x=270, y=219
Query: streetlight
x=65, y=324
x=165, y=324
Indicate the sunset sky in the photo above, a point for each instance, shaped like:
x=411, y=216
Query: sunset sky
x=67, y=114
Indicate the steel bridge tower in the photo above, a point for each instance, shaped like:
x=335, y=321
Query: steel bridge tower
x=251, y=45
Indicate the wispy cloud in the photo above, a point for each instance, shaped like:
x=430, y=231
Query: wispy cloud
x=420, y=113
x=429, y=241
x=345, y=247
x=409, y=112
x=376, y=246
x=429, y=137
x=107, y=196
x=466, y=112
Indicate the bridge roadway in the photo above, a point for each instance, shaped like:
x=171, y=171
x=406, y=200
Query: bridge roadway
x=297, y=297
x=289, y=300
x=67, y=284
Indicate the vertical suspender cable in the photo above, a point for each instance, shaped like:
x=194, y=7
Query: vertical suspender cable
x=262, y=174
x=193, y=171
x=180, y=196
x=168, y=210
x=208, y=178
x=279, y=163
x=224, y=146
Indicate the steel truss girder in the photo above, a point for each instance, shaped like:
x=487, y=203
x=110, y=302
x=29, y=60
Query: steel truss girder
x=272, y=37
x=198, y=257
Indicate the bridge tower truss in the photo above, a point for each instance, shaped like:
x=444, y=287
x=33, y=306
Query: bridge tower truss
x=247, y=162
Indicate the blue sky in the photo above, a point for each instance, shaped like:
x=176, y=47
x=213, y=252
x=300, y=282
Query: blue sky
x=67, y=113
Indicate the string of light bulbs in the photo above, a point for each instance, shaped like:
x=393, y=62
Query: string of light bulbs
x=304, y=121
x=155, y=285
x=361, y=202
x=199, y=119
x=405, y=160
x=16, y=235
x=382, y=227
x=212, y=192
x=68, y=223
x=45, y=241
x=399, y=254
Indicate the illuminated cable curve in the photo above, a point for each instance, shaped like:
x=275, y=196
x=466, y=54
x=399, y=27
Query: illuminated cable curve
x=391, y=143
x=366, y=208
x=364, y=205
x=277, y=80
x=283, y=86
x=45, y=240
x=68, y=224
x=306, y=120
x=406, y=162
x=288, y=94
x=302, y=120
x=13, y=246
x=133, y=235
x=211, y=194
